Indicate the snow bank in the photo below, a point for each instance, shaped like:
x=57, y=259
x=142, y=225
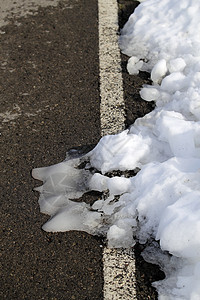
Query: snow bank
x=162, y=202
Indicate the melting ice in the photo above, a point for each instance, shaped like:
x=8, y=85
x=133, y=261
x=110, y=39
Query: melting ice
x=162, y=201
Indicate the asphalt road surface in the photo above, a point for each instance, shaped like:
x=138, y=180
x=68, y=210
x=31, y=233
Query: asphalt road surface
x=50, y=101
x=49, y=104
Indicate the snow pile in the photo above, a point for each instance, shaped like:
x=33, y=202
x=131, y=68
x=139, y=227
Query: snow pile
x=162, y=201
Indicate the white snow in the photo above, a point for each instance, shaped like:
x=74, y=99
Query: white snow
x=134, y=65
x=159, y=71
x=162, y=202
x=176, y=65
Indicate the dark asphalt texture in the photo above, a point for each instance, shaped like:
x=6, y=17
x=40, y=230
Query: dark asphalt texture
x=51, y=81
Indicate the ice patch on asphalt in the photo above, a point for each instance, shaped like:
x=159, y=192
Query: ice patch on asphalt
x=162, y=201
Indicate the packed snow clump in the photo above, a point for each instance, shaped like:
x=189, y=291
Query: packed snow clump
x=162, y=201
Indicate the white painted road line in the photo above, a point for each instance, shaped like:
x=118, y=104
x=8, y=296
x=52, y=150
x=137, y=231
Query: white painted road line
x=111, y=83
x=119, y=274
x=119, y=264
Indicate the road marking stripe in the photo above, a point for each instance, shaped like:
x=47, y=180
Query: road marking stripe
x=111, y=83
x=119, y=274
x=119, y=264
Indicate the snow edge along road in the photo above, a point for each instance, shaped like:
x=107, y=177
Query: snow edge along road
x=119, y=264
